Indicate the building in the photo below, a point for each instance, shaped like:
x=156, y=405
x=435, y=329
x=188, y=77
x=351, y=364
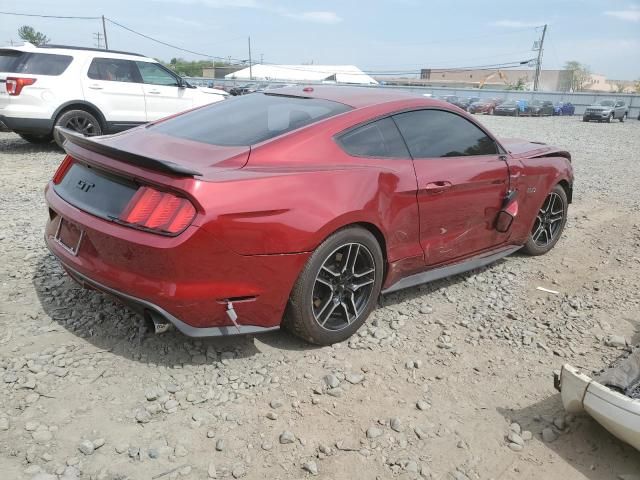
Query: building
x=220, y=72
x=304, y=73
x=550, y=80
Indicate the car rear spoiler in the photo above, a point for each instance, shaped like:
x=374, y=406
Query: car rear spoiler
x=164, y=166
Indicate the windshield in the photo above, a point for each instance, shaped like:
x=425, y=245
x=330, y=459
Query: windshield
x=247, y=120
x=606, y=103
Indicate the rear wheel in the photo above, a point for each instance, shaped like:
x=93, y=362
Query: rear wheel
x=79, y=121
x=549, y=223
x=38, y=139
x=337, y=289
x=622, y=118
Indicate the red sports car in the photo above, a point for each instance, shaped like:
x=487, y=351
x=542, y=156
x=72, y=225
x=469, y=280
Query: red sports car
x=297, y=207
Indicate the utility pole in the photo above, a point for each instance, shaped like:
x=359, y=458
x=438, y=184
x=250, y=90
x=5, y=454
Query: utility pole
x=104, y=34
x=250, y=70
x=98, y=38
x=536, y=80
x=261, y=58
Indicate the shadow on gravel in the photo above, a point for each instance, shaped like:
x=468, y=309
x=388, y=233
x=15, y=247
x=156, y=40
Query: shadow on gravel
x=111, y=326
x=584, y=444
x=18, y=146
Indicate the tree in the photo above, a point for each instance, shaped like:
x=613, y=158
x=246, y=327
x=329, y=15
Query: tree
x=579, y=75
x=521, y=84
x=31, y=35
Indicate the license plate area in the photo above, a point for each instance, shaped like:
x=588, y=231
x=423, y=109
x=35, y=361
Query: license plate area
x=69, y=236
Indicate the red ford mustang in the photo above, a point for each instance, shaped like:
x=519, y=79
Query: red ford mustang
x=297, y=207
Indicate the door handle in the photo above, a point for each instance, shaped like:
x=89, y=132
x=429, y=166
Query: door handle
x=156, y=92
x=437, y=187
x=95, y=87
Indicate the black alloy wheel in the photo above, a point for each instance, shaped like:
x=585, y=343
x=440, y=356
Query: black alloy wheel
x=549, y=223
x=79, y=121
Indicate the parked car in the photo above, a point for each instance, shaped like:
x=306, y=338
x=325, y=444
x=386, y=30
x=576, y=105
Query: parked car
x=564, y=108
x=523, y=105
x=539, y=108
x=482, y=106
x=178, y=220
x=88, y=90
x=606, y=110
x=243, y=89
x=510, y=107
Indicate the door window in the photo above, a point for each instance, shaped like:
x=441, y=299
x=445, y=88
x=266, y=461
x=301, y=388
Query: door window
x=377, y=139
x=113, y=70
x=154, y=74
x=437, y=134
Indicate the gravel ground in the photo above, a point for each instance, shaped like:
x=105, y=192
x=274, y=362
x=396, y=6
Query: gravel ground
x=437, y=385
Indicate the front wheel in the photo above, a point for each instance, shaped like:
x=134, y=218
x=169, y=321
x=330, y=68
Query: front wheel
x=549, y=223
x=337, y=289
x=79, y=121
x=609, y=118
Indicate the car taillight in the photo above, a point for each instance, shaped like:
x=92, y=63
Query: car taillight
x=14, y=85
x=162, y=212
x=62, y=169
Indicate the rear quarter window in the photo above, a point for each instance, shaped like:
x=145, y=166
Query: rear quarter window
x=379, y=139
x=249, y=119
x=12, y=61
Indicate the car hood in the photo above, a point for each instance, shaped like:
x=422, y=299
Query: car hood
x=521, y=149
x=599, y=107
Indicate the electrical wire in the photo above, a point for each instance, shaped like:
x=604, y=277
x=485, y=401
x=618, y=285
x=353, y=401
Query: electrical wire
x=68, y=17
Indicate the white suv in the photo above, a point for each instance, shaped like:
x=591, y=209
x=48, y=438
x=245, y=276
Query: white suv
x=88, y=90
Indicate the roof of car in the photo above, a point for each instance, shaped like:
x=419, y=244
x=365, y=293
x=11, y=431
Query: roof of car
x=356, y=97
x=64, y=49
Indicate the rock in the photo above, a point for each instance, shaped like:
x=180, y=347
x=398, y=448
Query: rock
x=171, y=405
x=44, y=476
x=276, y=403
x=395, y=424
x=211, y=471
x=515, y=447
x=310, y=467
x=98, y=442
x=615, y=341
x=354, y=378
x=560, y=423
x=10, y=377
x=374, y=432
x=86, y=447
x=211, y=434
x=42, y=436
x=4, y=424
x=287, y=437
x=421, y=434
x=513, y=437
x=331, y=381
x=272, y=415
x=220, y=444
x=186, y=470
x=152, y=394
x=526, y=435
x=181, y=451
x=142, y=416
x=121, y=447
x=238, y=472
x=514, y=427
x=422, y=405
x=326, y=449
x=548, y=435
x=153, y=453
x=266, y=445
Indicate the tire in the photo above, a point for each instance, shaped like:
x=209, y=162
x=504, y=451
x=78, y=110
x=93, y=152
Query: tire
x=37, y=139
x=517, y=113
x=622, y=118
x=609, y=118
x=584, y=119
x=80, y=121
x=544, y=223
x=324, y=308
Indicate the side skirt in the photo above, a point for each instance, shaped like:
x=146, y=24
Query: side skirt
x=450, y=270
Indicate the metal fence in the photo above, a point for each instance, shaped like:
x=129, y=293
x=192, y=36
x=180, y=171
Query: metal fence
x=579, y=99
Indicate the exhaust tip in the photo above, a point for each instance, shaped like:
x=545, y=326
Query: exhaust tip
x=160, y=324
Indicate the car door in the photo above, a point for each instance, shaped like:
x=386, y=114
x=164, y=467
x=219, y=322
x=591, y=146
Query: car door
x=462, y=182
x=114, y=86
x=620, y=109
x=164, y=95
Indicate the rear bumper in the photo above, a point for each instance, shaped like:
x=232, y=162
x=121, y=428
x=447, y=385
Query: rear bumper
x=37, y=126
x=188, y=279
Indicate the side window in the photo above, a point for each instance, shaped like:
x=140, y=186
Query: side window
x=113, y=70
x=377, y=139
x=154, y=74
x=437, y=134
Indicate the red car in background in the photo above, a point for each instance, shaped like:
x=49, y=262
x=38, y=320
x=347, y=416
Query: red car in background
x=487, y=106
x=297, y=207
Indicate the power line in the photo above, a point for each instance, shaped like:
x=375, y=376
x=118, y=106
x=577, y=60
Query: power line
x=49, y=16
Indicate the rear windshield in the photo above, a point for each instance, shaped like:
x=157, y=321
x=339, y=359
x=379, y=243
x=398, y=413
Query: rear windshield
x=13, y=61
x=249, y=119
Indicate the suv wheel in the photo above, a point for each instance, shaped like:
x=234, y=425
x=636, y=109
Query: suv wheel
x=623, y=117
x=79, y=121
x=31, y=138
x=610, y=117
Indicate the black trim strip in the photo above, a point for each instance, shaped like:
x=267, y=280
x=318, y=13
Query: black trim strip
x=450, y=270
x=128, y=157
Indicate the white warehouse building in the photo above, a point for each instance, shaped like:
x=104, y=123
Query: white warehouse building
x=304, y=73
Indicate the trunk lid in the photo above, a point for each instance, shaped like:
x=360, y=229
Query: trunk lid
x=163, y=153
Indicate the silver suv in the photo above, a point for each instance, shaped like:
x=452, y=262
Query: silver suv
x=605, y=111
